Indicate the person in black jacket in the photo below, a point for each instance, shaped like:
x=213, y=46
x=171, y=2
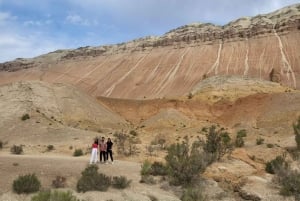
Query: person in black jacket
x=109, y=145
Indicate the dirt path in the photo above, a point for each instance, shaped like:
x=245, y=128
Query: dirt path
x=47, y=167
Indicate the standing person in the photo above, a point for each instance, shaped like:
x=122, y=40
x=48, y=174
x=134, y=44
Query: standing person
x=94, y=154
x=102, y=147
x=109, y=145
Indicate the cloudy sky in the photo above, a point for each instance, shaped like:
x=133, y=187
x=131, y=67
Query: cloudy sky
x=32, y=27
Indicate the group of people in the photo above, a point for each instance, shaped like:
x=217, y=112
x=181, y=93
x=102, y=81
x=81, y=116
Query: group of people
x=105, y=149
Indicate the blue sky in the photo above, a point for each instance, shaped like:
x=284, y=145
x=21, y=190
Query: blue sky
x=29, y=28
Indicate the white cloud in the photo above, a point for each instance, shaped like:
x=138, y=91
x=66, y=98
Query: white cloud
x=6, y=17
x=78, y=20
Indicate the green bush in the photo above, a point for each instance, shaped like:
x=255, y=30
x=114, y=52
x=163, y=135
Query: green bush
x=276, y=164
x=193, y=194
x=16, y=149
x=158, y=168
x=146, y=168
x=78, y=152
x=297, y=133
x=290, y=183
x=54, y=196
x=25, y=117
x=260, y=141
x=26, y=184
x=217, y=143
x=239, y=140
x=92, y=180
x=120, y=182
x=185, y=163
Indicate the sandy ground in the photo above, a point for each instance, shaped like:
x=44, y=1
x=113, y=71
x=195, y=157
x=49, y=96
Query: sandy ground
x=47, y=167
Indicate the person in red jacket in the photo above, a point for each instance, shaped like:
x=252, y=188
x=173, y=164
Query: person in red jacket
x=94, y=154
x=102, y=147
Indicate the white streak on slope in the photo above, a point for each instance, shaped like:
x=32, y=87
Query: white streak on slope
x=87, y=74
x=110, y=90
x=216, y=64
x=171, y=74
x=246, y=60
x=284, y=61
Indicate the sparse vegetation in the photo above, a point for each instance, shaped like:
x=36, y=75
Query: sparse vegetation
x=78, y=152
x=54, y=196
x=26, y=184
x=50, y=147
x=276, y=164
x=120, y=182
x=270, y=145
x=126, y=144
x=15, y=149
x=260, y=141
x=158, y=169
x=193, y=194
x=239, y=140
x=185, y=163
x=218, y=143
x=297, y=133
x=92, y=180
x=59, y=182
x=146, y=168
x=133, y=132
x=25, y=117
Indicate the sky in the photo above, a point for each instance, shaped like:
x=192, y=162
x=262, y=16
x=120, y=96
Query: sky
x=29, y=28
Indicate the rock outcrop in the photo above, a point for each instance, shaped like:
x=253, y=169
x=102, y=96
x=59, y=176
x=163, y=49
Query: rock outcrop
x=265, y=47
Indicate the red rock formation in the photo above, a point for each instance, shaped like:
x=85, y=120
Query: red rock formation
x=264, y=46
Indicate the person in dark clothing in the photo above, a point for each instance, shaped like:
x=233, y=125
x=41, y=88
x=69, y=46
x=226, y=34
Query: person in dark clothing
x=109, y=145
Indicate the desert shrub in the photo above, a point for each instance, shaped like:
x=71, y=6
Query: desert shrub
x=276, y=164
x=59, y=182
x=146, y=168
x=270, y=145
x=184, y=163
x=126, y=144
x=297, y=133
x=25, y=117
x=239, y=140
x=50, y=147
x=158, y=168
x=26, y=184
x=133, y=132
x=290, y=182
x=92, y=180
x=16, y=149
x=218, y=143
x=54, y=196
x=260, y=140
x=147, y=179
x=1, y=144
x=78, y=152
x=193, y=194
x=120, y=182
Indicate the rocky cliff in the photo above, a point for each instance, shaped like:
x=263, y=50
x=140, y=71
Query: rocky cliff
x=265, y=47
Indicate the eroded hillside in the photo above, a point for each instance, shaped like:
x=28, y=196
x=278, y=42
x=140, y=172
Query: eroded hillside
x=265, y=47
